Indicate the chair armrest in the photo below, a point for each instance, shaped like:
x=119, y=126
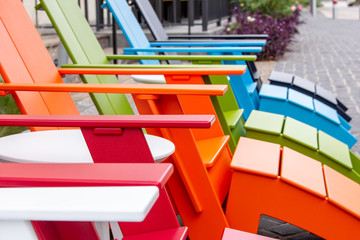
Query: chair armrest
x=100, y=174
x=180, y=57
x=223, y=70
x=108, y=137
x=138, y=67
x=109, y=121
x=128, y=204
x=196, y=49
x=237, y=36
x=161, y=89
x=203, y=43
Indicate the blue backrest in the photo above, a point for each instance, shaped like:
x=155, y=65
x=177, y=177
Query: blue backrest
x=130, y=26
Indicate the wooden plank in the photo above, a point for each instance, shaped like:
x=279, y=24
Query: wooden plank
x=130, y=204
x=163, y=89
x=100, y=174
x=257, y=157
x=159, y=71
x=302, y=172
x=110, y=121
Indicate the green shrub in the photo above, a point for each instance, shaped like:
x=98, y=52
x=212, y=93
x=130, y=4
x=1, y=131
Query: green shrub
x=8, y=106
x=268, y=7
x=306, y=3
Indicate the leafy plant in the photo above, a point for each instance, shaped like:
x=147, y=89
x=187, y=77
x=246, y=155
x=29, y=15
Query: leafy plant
x=268, y=7
x=8, y=106
x=307, y=3
x=279, y=27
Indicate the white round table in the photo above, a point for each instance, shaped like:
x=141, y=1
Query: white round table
x=157, y=79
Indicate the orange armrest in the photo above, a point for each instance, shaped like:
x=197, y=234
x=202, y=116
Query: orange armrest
x=109, y=121
x=161, y=89
x=223, y=70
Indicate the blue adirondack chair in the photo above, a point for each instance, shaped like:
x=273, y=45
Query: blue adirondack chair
x=158, y=32
x=275, y=99
x=278, y=78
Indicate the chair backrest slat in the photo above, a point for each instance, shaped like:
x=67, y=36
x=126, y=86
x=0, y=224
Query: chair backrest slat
x=130, y=27
x=14, y=70
x=24, y=58
x=83, y=48
x=154, y=24
x=152, y=20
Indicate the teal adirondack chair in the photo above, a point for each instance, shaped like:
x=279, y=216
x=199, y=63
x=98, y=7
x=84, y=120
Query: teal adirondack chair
x=277, y=78
x=270, y=98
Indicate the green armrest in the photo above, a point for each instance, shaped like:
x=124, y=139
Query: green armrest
x=184, y=57
x=146, y=66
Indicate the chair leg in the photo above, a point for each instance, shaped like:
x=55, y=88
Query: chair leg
x=220, y=175
x=47, y=230
x=241, y=210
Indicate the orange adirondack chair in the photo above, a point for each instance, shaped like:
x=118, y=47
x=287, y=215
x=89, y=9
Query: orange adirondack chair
x=25, y=59
x=28, y=64
x=202, y=158
x=290, y=186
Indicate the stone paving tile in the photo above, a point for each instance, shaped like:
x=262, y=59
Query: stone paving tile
x=271, y=227
x=285, y=229
x=302, y=236
x=268, y=222
x=266, y=233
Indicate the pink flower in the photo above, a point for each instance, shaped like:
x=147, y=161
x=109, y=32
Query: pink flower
x=293, y=8
x=300, y=7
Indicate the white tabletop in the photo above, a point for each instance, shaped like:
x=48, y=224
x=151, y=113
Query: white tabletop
x=64, y=146
x=157, y=79
x=130, y=204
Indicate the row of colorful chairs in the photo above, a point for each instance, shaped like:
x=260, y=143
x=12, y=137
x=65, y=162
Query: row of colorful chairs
x=271, y=98
x=202, y=174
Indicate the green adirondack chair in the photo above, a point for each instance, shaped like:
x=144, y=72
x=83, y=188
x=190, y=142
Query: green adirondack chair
x=304, y=139
x=84, y=49
x=228, y=112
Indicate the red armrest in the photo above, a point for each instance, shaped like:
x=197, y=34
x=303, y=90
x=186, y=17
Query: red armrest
x=79, y=175
x=109, y=121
